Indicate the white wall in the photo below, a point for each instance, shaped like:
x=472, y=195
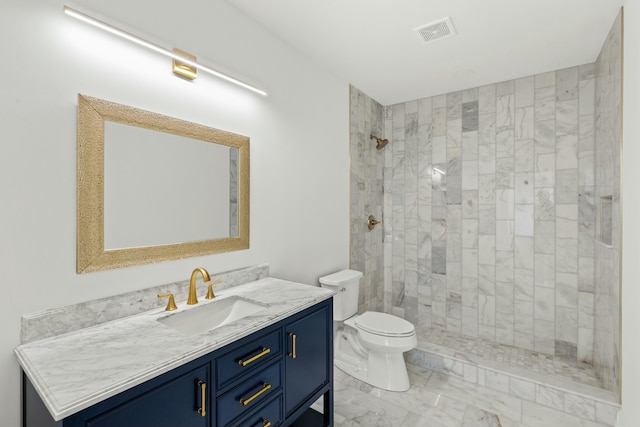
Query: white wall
x=630, y=344
x=299, y=148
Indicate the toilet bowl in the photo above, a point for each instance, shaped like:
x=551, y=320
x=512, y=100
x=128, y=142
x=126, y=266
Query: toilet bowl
x=368, y=346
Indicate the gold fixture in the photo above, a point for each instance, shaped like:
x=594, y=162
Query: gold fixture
x=210, y=294
x=263, y=352
x=266, y=423
x=203, y=395
x=91, y=254
x=183, y=69
x=193, y=298
x=293, y=338
x=171, y=304
x=157, y=48
x=380, y=143
x=248, y=400
x=373, y=222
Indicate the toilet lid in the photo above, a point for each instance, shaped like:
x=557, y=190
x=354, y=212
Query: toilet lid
x=384, y=324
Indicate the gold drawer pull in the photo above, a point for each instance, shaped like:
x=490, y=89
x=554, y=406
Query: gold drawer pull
x=264, y=352
x=266, y=423
x=293, y=353
x=203, y=391
x=248, y=400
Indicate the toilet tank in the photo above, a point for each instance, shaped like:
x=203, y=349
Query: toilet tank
x=346, y=283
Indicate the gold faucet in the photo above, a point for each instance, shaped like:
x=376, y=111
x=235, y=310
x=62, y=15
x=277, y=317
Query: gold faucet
x=193, y=299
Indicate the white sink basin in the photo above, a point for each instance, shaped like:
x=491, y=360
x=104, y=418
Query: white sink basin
x=212, y=315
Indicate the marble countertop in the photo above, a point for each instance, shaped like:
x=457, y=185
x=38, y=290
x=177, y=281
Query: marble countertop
x=78, y=369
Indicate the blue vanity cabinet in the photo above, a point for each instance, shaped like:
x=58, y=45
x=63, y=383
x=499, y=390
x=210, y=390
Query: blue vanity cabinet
x=255, y=381
x=179, y=402
x=309, y=362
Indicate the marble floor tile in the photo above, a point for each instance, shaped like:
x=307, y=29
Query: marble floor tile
x=438, y=400
x=571, y=370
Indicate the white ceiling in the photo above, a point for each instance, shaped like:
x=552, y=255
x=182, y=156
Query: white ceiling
x=372, y=45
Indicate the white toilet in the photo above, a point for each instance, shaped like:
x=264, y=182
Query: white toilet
x=368, y=346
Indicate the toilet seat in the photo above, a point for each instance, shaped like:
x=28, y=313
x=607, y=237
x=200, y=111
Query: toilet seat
x=382, y=324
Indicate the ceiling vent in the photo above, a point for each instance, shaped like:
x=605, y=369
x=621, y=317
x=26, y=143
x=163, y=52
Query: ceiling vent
x=437, y=30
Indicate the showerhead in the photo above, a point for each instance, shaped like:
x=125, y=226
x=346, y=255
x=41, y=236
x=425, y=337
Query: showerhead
x=380, y=142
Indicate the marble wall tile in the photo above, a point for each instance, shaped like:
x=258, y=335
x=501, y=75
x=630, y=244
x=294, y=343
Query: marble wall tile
x=524, y=155
x=487, y=159
x=512, y=220
x=487, y=249
x=567, y=255
x=524, y=252
x=544, y=237
x=544, y=336
x=487, y=219
x=586, y=132
x=608, y=119
x=470, y=199
x=567, y=84
x=567, y=330
x=524, y=91
x=567, y=117
x=505, y=173
x=544, y=80
x=545, y=270
x=545, y=103
x=524, y=123
x=545, y=204
x=505, y=233
x=567, y=221
x=470, y=175
x=544, y=304
x=505, y=204
x=523, y=315
x=470, y=233
x=487, y=309
x=566, y=190
x=545, y=136
x=567, y=290
x=487, y=279
x=524, y=190
x=504, y=267
x=470, y=116
x=567, y=152
x=487, y=99
x=545, y=170
x=487, y=189
x=523, y=284
x=524, y=220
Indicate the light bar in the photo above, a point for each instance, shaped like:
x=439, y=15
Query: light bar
x=142, y=42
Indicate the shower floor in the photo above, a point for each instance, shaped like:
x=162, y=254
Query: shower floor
x=504, y=355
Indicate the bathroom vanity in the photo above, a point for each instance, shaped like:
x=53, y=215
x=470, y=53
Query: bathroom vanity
x=264, y=369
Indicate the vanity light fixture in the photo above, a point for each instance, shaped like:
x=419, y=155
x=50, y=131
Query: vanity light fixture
x=181, y=61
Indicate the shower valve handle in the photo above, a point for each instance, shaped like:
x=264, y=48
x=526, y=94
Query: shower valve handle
x=373, y=222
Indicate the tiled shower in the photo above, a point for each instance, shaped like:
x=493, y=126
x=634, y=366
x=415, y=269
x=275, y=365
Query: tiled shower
x=500, y=208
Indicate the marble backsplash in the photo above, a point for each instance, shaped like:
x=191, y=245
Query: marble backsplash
x=58, y=321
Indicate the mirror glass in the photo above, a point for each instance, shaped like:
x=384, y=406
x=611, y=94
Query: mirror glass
x=153, y=188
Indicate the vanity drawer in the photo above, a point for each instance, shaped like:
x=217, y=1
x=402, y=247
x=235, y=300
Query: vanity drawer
x=250, y=394
x=270, y=414
x=244, y=359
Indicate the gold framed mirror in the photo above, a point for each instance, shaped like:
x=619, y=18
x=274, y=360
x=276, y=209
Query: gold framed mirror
x=122, y=175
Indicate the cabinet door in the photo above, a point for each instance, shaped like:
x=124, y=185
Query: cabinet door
x=307, y=361
x=176, y=403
